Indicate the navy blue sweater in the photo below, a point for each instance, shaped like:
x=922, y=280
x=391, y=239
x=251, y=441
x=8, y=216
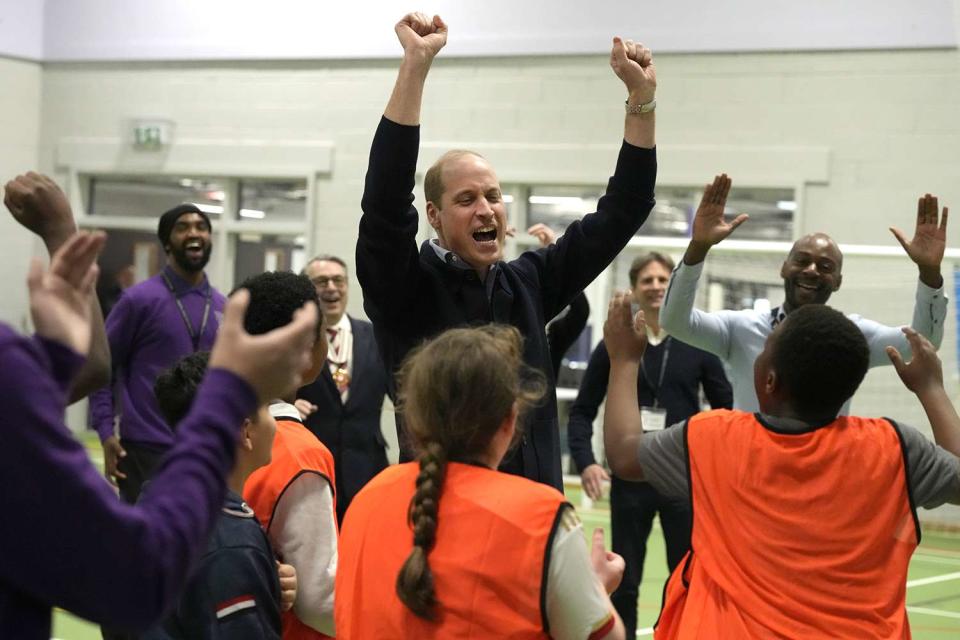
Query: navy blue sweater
x=410, y=295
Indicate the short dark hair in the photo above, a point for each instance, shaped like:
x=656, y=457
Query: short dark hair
x=274, y=298
x=821, y=357
x=640, y=263
x=325, y=257
x=176, y=387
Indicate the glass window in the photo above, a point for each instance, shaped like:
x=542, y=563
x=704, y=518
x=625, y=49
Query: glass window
x=259, y=252
x=557, y=207
x=771, y=210
x=150, y=196
x=273, y=200
x=128, y=258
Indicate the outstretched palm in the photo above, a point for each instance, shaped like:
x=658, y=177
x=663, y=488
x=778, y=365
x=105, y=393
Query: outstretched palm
x=709, y=224
x=930, y=237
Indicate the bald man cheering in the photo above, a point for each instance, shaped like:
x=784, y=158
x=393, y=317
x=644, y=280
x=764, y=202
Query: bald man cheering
x=811, y=273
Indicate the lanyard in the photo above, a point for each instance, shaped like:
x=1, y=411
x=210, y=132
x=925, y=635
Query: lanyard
x=663, y=369
x=194, y=337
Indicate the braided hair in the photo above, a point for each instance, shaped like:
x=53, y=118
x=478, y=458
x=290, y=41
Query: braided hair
x=455, y=392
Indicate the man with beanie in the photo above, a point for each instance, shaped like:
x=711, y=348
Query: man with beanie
x=153, y=325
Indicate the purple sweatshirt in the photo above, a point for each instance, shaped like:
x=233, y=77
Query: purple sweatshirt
x=65, y=538
x=147, y=334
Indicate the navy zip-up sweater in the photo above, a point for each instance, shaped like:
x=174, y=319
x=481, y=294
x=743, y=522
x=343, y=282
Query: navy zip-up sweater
x=411, y=296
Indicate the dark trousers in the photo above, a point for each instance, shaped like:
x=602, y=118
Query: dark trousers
x=632, y=508
x=139, y=464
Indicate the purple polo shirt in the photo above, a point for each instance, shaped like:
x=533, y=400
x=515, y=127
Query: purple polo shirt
x=147, y=335
x=65, y=539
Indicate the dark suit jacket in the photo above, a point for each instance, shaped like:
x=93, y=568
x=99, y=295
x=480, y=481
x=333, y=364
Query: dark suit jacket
x=352, y=431
x=413, y=295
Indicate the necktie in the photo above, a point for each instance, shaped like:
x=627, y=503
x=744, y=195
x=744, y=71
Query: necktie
x=338, y=361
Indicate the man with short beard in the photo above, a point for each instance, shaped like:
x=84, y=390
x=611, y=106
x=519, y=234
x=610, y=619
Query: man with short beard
x=152, y=326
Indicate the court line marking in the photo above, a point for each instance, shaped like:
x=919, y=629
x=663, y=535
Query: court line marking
x=919, y=582
x=923, y=557
x=933, y=612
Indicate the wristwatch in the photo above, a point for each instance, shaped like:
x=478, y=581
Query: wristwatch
x=639, y=108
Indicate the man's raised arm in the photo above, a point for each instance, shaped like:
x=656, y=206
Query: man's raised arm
x=40, y=205
x=923, y=375
x=589, y=245
x=386, y=247
x=926, y=250
x=706, y=331
x=422, y=38
x=626, y=340
x=633, y=64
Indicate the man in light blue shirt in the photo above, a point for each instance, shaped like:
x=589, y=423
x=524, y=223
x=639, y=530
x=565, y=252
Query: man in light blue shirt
x=811, y=273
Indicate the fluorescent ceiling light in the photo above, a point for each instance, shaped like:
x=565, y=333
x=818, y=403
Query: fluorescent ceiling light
x=787, y=205
x=569, y=201
x=208, y=208
x=507, y=198
x=253, y=213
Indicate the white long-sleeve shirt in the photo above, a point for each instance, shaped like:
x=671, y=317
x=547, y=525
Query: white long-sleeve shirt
x=737, y=337
x=304, y=532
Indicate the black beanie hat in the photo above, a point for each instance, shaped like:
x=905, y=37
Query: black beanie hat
x=169, y=219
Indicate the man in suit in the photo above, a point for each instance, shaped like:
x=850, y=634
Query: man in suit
x=342, y=407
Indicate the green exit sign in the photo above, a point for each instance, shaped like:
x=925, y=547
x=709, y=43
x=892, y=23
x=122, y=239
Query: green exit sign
x=152, y=134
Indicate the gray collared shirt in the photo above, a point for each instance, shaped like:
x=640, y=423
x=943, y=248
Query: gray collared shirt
x=449, y=257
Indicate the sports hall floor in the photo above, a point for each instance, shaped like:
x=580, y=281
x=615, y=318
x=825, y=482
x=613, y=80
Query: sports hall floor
x=933, y=586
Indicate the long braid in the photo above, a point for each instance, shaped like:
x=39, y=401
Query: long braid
x=415, y=581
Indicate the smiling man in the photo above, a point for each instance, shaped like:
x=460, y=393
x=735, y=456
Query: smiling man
x=461, y=277
x=811, y=274
x=153, y=325
x=342, y=406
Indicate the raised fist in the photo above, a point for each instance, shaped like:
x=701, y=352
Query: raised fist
x=420, y=35
x=633, y=64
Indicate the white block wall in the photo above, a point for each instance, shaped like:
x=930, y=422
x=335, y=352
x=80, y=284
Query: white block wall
x=883, y=126
x=859, y=135
x=19, y=135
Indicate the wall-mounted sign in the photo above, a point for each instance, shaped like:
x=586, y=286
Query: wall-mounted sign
x=152, y=135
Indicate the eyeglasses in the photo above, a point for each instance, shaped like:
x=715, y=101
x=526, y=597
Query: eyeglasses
x=338, y=281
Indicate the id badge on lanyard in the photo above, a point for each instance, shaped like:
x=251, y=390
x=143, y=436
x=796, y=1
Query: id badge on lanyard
x=654, y=419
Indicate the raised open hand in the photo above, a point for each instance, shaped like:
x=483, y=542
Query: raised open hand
x=929, y=238
x=272, y=363
x=625, y=335
x=422, y=35
x=633, y=64
x=709, y=224
x=543, y=233
x=923, y=371
x=40, y=205
x=60, y=296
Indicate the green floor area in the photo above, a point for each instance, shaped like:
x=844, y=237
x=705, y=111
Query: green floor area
x=933, y=584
